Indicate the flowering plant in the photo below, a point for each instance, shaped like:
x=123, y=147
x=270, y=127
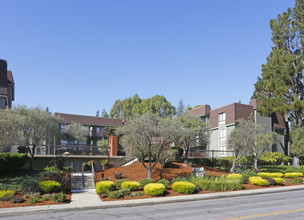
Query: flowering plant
x=91, y=162
x=58, y=197
x=103, y=162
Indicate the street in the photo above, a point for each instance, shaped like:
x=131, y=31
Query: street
x=288, y=205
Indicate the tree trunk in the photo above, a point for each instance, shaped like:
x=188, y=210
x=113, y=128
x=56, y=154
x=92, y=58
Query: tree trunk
x=233, y=165
x=256, y=169
x=186, y=156
x=149, y=173
x=32, y=154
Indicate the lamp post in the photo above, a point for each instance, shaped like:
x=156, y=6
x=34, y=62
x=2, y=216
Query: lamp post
x=108, y=165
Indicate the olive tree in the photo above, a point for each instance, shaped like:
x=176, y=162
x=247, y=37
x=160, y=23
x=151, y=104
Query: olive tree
x=145, y=137
x=192, y=132
x=28, y=127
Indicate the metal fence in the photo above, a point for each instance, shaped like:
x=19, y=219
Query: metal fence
x=72, y=150
x=210, y=153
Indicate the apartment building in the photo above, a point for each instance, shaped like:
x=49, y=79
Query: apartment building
x=7, y=86
x=224, y=119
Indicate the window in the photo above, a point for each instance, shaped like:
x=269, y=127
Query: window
x=222, y=151
x=222, y=117
x=222, y=133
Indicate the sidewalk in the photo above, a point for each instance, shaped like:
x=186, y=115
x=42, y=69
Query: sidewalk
x=90, y=200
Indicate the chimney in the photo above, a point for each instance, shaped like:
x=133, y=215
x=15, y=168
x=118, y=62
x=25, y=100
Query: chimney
x=3, y=73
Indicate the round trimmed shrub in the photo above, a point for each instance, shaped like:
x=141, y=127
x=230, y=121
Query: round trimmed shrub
x=145, y=181
x=6, y=195
x=165, y=182
x=104, y=185
x=131, y=185
x=293, y=175
x=278, y=181
x=49, y=186
x=155, y=189
x=184, y=187
x=270, y=175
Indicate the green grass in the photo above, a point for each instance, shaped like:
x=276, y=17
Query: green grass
x=221, y=183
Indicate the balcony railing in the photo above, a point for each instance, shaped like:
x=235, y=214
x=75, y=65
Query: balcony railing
x=72, y=150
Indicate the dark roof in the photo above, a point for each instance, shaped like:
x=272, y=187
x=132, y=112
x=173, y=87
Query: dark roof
x=199, y=111
x=90, y=120
x=278, y=121
x=10, y=77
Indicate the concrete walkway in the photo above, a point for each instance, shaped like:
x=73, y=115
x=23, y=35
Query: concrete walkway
x=89, y=200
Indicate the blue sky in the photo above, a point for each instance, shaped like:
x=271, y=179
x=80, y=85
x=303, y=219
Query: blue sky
x=80, y=56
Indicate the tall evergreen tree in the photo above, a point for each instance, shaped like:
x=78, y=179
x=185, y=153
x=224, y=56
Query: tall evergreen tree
x=104, y=113
x=281, y=86
x=97, y=113
x=180, y=108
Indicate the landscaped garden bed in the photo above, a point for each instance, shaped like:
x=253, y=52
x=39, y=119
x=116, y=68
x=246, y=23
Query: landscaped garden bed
x=136, y=172
x=35, y=188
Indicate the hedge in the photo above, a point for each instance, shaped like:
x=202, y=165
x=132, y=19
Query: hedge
x=102, y=185
x=165, y=182
x=155, y=189
x=145, y=181
x=131, y=185
x=12, y=162
x=293, y=175
x=184, y=187
x=258, y=181
x=235, y=176
x=49, y=186
x=270, y=175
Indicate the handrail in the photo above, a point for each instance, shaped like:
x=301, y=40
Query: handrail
x=93, y=172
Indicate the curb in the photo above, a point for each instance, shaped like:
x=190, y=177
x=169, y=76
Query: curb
x=16, y=211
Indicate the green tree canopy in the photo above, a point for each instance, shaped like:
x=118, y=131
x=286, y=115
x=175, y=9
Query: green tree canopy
x=192, y=132
x=29, y=127
x=76, y=132
x=131, y=107
x=281, y=86
x=146, y=136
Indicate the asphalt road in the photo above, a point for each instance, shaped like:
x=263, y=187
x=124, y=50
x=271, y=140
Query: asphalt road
x=287, y=205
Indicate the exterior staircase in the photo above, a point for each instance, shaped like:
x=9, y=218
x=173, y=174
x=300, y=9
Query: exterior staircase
x=82, y=182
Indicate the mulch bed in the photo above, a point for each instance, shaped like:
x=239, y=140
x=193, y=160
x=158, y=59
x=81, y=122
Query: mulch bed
x=136, y=172
x=8, y=204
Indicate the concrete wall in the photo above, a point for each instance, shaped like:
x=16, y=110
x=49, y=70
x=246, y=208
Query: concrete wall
x=41, y=161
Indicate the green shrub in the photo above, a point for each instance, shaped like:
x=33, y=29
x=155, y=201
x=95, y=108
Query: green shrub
x=247, y=174
x=293, y=175
x=50, y=168
x=297, y=180
x=46, y=197
x=12, y=162
x=258, y=181
x=17, y=200
x=6, y=195
x=117, y=194
x=273, y=158
x=155, y=189
x=279, y=181
x=103, y=185
x=221, y=183
x=203, y=161
x=33, y=198
x=49, y=186
x=145, y=181
x=184, y=187
x=131, y=185
x=140, y=193
x=179, y=179
x=225, y=163
x=176, y=153
x=235, y=175
x=119, y=182
x=58, y=197
x=270, y=175
x=165, y=182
